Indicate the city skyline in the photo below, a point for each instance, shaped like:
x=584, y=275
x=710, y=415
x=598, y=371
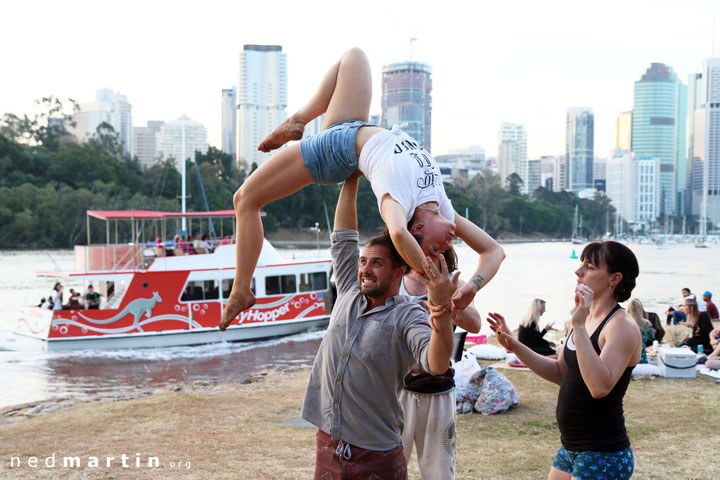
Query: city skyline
x=490, y=63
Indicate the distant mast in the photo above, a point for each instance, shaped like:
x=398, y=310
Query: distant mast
x=182, y=170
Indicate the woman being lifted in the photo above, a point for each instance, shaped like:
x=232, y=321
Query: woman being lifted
x=404, y=177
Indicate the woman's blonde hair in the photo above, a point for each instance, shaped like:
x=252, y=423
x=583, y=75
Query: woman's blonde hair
x=693, y=312
x=636, y=310
x=533, y=314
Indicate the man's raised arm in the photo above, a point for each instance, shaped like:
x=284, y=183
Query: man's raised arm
x=346, y=211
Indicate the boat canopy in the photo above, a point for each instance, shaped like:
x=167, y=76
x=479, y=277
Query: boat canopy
x=154, y=215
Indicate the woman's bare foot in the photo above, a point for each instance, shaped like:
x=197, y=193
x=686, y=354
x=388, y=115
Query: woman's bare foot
x=290, y=129
x=235, y=305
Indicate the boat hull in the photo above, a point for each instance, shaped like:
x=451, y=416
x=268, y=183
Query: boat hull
x=179, y=338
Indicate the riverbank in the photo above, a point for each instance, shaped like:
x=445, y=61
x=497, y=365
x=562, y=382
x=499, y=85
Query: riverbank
x=253, y=431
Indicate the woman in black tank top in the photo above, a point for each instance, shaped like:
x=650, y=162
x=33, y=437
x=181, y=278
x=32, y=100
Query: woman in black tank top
x=593, y=368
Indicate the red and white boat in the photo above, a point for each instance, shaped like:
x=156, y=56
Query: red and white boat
x=151, y=300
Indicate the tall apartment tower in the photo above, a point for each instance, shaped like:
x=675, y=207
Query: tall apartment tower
x=407, y=97
x=623, y=132
x=512, y=153
x=109, y=107
x=633, y=186
x=261, y=99
x=146, y=143
x=171, y=143
x=705, y=178
x=658, y=130
x=229, y=121
x=579, y=148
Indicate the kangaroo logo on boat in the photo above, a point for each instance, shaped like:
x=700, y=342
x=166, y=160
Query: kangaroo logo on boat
x=260, y=316
x=138, y=308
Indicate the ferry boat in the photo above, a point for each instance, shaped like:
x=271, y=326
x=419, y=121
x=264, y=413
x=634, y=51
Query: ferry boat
x=150, y=299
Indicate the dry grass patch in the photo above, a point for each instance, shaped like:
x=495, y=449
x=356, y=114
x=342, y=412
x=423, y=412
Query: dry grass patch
x=236, y=432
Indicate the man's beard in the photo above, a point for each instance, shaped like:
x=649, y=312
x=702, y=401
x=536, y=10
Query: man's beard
x=378, y=290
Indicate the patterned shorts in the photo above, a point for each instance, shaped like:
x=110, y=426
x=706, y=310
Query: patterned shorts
x=596, y=465
x=337, y=460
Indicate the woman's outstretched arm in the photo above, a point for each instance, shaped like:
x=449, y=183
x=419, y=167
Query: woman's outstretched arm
x=552, y=370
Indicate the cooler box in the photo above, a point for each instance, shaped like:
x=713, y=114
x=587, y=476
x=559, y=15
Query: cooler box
x=677, y=362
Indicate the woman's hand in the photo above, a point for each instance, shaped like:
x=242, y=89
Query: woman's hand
x=498, y=325
x=435, y=311
x=583, y=299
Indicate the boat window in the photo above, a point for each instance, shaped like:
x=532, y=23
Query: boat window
x=227, y=284
x=280, y=284
x=200, y=290
x=313, y=281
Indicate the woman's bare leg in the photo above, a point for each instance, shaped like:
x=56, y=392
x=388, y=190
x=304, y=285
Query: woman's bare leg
x=344, y=94
x=281, y=175
x=556, y=474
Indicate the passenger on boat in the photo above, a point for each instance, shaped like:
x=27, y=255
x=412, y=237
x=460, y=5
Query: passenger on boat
x=73, y=301
x=92, y=298
x=206, y=244
x=57, y=296
x=186, y=245
x=404, y=177
x=225, y=240
x=374, y=337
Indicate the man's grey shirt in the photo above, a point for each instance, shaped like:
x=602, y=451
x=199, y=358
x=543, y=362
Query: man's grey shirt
x=358, y=373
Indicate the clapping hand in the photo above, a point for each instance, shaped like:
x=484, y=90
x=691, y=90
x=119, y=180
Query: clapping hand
x=498, y=325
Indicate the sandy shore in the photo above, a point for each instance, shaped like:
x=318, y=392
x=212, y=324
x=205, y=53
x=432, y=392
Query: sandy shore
x=253, y=431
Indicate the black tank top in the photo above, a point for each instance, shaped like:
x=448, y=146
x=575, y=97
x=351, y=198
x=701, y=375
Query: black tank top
x=586, y=423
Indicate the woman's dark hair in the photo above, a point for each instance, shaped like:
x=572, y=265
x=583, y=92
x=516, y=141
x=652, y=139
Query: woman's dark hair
x=451, y=259
x=57, y=285
x=618, y=259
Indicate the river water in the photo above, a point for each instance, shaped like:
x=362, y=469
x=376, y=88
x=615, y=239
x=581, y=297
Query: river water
x=531, y=270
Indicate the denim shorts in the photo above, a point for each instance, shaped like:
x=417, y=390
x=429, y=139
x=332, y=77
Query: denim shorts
x=330, y=155
x=596, y=465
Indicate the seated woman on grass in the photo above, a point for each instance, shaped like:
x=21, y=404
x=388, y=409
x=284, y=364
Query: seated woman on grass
x=404, y=177
x=593, y=368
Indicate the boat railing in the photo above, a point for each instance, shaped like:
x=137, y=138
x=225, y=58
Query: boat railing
x=114, y=258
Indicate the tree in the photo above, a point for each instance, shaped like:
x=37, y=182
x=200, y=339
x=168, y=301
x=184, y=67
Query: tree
x=514, y=183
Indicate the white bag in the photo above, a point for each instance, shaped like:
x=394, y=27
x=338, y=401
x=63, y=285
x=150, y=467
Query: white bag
x=464, y=369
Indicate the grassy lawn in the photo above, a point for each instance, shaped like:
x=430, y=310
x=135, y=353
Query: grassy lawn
x=249, y=432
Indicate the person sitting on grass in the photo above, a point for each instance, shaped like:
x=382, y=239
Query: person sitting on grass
x=637, y=312
x=531, y=335
x=713, y=360
x=404, y=177
x=701, y=327
x=593, y=368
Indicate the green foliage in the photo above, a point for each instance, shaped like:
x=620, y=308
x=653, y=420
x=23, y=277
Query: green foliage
x=48, y=181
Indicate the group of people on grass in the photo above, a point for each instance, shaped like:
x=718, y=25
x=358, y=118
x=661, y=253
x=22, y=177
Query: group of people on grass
x=381, y=381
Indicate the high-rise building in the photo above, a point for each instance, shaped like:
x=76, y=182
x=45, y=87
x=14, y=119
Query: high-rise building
x=407, y=97
x=171, y=136
x=146, y=143
x=579, y=148
x=109, y=107
x=705, y=179
x=512, y=153
x=658, y=129
x=547, y=171
x=559, y=173
x=623, y=132
x=534, y=176
x=229, y=120
x=633, y=186
x=262, y=99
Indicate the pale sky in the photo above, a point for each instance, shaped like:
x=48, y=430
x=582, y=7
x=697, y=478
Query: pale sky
x=518, y=61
